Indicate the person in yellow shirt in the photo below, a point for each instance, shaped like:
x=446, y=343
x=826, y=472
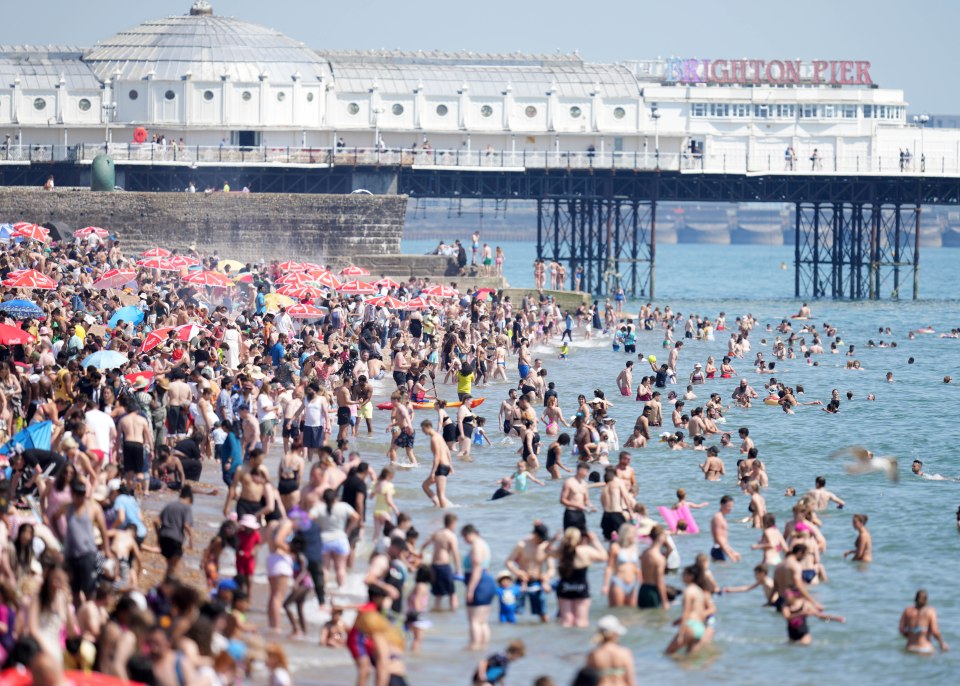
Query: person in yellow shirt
x=465, y=380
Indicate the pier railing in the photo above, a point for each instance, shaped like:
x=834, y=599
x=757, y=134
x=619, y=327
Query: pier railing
x=486, y=159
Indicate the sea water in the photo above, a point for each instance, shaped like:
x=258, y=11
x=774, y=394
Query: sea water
x=916, y=540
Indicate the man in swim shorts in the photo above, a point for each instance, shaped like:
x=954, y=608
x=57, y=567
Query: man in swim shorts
x=721, y=551
x=653, y=569
x=445, y=563
x=531, y=563
x=576, y=499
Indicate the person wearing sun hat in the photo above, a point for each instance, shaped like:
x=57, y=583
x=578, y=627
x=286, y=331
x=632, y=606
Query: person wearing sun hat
x=613, y=662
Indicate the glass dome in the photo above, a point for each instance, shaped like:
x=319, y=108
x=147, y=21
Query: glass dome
x=203, y=47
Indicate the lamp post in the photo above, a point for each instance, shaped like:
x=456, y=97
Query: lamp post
x=108, y=110
x=655, y=115
x=920, y=121
x=377, y=111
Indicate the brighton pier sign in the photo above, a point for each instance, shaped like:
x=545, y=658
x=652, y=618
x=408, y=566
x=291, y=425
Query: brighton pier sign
x=773, y=72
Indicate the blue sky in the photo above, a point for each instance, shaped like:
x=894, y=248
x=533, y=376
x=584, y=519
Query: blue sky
x=908, y=43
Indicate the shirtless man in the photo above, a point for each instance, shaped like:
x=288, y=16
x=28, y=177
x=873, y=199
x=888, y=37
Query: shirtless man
x=363, y=395
x=575, y=497
x=506, y=414
x=402, y=418
x=863, y=546
x=656, y=409
x=745, y=441
x=625, y=472
x=247, y=490
x=123, y=543
x=445, y=563
x=531, y=563
x=653, y=570
x=821, y=497
x=625, y=379
x=440, y=469
x=134, y=440
x=788, y=578
x=177, y=400
x=696, y=426
x=721, y=550
x=170, y=668
x=616, y=499
x=251, y=429
x=712, y=467
x=344, y=400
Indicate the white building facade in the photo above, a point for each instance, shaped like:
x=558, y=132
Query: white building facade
x=212, y=86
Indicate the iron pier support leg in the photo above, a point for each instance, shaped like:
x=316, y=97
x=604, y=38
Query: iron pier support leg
x=916, y=255
x=540, y=229
x=653, y=245
x=796, y=253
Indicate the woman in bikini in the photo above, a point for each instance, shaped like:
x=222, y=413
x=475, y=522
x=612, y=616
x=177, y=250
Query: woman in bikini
x=692, y=622
x=771, y=541
x=553, y=417
x=613, y=663
x=553, y=457
x=621, y=579
x=644, y=392
x=726, y=369
x=918, y=624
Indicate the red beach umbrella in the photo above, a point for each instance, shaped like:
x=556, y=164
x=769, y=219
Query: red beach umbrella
x=304, y=311
x=12, y=335
x=31, y=278
x=156, y=252
x=161, y=263
x=32, y=231
x=419, y=303
x=353, y=271
x=386, y=282
x=325, y=279
x=115, y=278
x=356, y=287
x=441, y=291
x=294, y=291
x=87, y=230
x=208, y=278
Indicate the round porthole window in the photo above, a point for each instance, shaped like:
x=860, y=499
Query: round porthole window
x=575, y=112
x=169, y=95
x=281, y=96
x=39, y=104
x=353, y=108
x=442, y=110
x=619, y=113
x=531, y=111
x=309, y=97
x=84, y=105
x=486, y=111
x=208, y=95
x=246, y=95
x=133, y=95
x=397, y=110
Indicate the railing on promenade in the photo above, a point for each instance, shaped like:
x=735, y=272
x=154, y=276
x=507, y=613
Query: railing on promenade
x=639, y=160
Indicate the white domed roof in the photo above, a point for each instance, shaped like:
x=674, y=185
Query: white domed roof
x=207, y=48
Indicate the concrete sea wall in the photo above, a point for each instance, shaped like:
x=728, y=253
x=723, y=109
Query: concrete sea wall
x=242, y=226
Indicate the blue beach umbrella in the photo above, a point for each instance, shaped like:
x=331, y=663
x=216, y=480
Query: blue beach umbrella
x=130, y=313
x=36, y=436
x=105, y=359
x=21, y=309
x=6, y=231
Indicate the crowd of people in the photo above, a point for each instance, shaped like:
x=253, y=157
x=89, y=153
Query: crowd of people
x=211, y=382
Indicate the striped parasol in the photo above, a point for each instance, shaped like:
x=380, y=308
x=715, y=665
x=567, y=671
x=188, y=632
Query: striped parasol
x=325, y=279
x=87, y=230
x=161, y=263
x=290, y=266
x=183, y=261
x=300, y=292
x=208, y=278
x=441, y=291
x=156, y=252
x=421, y=302
x=356, y=287
x=305, y=311
x=116, y=278
x=31, y=278
x=386, y=282
x=354, y=271
x=32, y=231
x=295, y=278
x=387, y=301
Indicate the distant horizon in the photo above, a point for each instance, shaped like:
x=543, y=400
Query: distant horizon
x=894, y=38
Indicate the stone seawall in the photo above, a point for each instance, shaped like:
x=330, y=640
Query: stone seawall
x=242, y=226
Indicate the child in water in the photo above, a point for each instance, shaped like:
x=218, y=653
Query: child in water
x=508, y=592
x=564, y=350
x=479, y=435
x=522, y=476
